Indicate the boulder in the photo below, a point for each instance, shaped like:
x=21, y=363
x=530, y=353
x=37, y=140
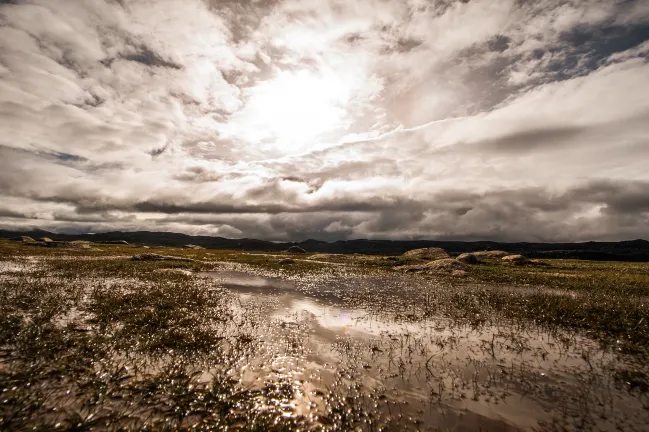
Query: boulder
x=440, y=266
x=122, y=242
x=515, y=259
x=296, y=250
x=81, y=244
x=446, y=265
x=26, y=239
x=46, y=240
x=58, y=244
x=468, y=258
x=322, y=256
x=148, y=257
x=427, y=254
x=491, y=254
x=192, y=246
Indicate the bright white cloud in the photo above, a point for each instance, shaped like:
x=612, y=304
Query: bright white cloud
x=331, y=119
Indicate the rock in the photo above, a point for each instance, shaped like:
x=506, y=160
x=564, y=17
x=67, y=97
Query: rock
x=491, y=254
x=146, y=247
x=296, y=249
x=515, y=259
x=148, y=257
x=80, y=244
x=322, y=256
x=286, y=261
x=539, y=263
x=26, y=239
x=446, y=265
x=468, y=258
x=122, y=242
x=191, y=246
x=59, y=244
x=46, y=240
x=427, y=254
x=441, y=266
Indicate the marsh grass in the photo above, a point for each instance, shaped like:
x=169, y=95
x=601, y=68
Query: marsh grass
x=619, y=278
x=90, y=339
x=94, y=341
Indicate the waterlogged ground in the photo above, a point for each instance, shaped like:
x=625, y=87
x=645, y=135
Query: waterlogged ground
x=233, y=341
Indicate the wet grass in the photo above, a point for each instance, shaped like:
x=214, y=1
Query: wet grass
x=620, y=278
x=116, y=344
x=608, y=299
x=90, y=339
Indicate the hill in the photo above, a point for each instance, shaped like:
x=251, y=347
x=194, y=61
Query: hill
x=631, y=250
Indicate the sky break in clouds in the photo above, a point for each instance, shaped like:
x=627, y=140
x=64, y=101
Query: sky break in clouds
x=286, y=120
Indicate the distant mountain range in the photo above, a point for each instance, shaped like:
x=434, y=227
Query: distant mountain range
x=631, y=250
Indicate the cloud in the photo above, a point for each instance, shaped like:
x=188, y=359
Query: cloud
x=291, y=119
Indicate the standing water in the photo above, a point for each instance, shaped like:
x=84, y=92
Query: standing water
x=348, y=355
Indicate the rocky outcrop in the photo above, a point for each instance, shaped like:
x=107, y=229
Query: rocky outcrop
x=446, y=265
x=80, y=244
x=468, y=258
x=427, y=254
x=440, y=266
x=193, y=246
x=296, y=250
x=323, y=256
x=515, y=260
x=494, y=254
x=59, y=244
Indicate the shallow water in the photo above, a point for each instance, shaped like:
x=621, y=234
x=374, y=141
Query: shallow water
x=354, y=357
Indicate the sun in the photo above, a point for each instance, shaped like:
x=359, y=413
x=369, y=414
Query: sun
x=293, y=109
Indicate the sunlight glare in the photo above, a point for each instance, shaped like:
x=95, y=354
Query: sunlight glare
x=294, y=108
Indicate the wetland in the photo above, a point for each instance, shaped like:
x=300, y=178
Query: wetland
x=91, y=339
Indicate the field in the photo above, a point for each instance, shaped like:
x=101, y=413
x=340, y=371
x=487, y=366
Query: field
x=225, y=340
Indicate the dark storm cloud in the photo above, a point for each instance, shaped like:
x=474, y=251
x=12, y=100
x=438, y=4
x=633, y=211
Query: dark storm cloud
x=533, y=139
x=617, y=196
x=8, y=213
x=499, y=43
x=220, y=205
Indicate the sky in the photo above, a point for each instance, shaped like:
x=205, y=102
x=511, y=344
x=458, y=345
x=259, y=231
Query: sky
x=507, y=120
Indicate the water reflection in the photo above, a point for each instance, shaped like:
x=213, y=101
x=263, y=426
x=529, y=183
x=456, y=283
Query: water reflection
x=429, y=372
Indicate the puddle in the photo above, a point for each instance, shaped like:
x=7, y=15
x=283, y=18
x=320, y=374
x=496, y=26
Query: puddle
x=425, y=373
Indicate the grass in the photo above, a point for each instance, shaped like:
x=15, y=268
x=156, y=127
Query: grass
x=608, y=299
x=112, y=343
x=619, y=278
x=90, y=339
